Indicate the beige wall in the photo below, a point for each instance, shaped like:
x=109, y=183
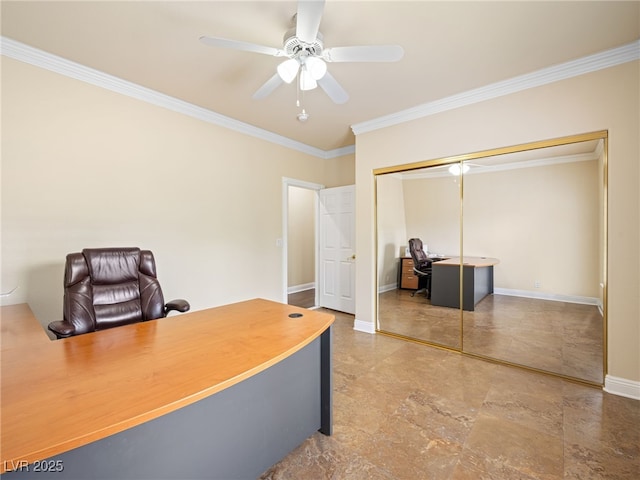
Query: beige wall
x=433, y=213
x=86, y=167
x=542, y=223
x=301, y=241
x=603, y=100
x=392, y=231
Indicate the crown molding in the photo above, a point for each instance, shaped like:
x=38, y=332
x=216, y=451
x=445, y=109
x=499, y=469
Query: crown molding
x=39, y=58
x=33, y=56
x=574, y=68
x=339, y=152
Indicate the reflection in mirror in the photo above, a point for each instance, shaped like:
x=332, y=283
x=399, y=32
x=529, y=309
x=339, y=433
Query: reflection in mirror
x=422, y=204
x=540, y=213
x=533, y=260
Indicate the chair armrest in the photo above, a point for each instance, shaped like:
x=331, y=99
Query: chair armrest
x=425, y=272
x=178, y=305
x=62, y=328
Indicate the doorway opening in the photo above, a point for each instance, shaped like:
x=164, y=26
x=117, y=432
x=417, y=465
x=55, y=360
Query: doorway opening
x=300, y=232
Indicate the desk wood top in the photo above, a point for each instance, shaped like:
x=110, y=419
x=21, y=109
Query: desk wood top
x=471, y=261
x=62, y=394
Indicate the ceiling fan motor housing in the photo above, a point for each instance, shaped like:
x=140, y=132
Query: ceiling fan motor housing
x=295, y=48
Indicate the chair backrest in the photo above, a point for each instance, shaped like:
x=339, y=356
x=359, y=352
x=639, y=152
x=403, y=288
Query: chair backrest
x=109, y=287
x=420, y=258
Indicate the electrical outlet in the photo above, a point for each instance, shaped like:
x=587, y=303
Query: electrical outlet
x=536, y=284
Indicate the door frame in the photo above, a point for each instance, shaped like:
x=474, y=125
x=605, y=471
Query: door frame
x=286, y=183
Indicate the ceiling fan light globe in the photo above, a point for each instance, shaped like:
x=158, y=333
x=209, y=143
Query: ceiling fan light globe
x=288, y=70
x=307, y=82
x=316, y=67
x=456, y=170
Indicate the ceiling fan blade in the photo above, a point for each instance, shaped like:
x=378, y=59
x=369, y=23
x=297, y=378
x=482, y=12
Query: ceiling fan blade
x=308, y=19
x=238, y=45
x=332, y=88
x=369, y=53
x=268, y=87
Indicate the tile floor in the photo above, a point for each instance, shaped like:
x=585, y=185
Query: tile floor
x=408, y=411
x=559, y=337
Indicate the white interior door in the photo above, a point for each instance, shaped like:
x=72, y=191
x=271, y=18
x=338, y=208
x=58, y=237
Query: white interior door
x=336, y=266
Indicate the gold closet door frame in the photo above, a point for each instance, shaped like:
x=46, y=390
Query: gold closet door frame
x=554, y=142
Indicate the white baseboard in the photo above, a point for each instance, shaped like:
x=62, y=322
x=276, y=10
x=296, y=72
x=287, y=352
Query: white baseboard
x=547, y=296
x=362, y=326
x=388, y=287
x=622, y=387
x=301, y=288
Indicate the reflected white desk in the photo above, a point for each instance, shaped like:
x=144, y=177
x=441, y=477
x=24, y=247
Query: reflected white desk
x=477, y=281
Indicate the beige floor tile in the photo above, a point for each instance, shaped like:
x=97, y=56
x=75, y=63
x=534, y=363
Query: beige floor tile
x=518, y=447
x=406, y=411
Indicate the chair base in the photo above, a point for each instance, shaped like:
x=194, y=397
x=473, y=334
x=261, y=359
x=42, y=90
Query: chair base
x=426, y=292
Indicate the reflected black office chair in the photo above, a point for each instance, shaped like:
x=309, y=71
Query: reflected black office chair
x=109, y=287
x=421, y=267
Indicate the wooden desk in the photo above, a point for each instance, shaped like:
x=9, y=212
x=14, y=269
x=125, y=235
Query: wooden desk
x=206, y=393
x=477, y=278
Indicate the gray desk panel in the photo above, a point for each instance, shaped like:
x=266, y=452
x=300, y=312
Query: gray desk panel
x=477, y=283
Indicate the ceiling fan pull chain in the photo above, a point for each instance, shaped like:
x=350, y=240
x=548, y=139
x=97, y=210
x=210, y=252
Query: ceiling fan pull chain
x=303, y=116
x=298, y=102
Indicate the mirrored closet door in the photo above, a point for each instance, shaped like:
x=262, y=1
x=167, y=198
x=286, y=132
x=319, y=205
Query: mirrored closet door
x=516, y=239
x=421, y=204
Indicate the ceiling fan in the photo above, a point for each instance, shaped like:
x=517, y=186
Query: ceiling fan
x=305, y=56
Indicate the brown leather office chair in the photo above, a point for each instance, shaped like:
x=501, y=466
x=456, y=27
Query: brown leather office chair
x=421, y=267
x=109, y=287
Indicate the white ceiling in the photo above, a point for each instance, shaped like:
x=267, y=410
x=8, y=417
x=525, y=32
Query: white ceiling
x=450, y=47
